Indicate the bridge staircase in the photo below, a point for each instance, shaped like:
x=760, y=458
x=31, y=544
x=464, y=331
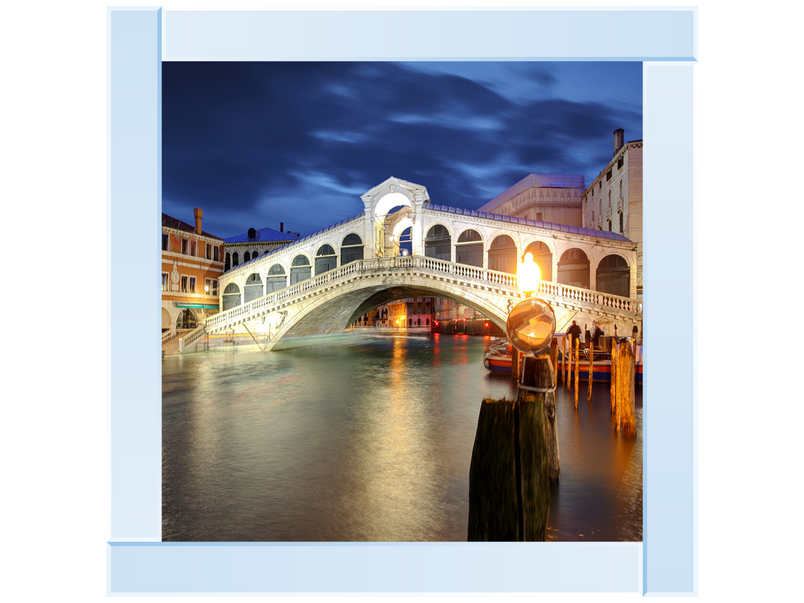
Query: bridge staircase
x=492, y=293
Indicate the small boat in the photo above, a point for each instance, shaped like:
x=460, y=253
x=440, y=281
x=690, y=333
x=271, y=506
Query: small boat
x=498, y=359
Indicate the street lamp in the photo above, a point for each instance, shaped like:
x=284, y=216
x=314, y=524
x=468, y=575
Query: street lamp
x=531, y=323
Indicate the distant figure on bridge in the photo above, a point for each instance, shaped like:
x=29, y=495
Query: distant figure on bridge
x=574, y=333
x=597, y=335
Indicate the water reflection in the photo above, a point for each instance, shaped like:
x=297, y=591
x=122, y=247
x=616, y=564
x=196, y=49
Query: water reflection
x=366, y=442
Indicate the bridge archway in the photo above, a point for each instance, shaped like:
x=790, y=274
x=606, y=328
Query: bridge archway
x=231, y=296
x=252, y=288
x=276, y=279
x=573, y=268
x=469, y=248
x=503, y=254
x=300, y=269
x=613, y=275
x=438, y=243
x=351, y=248
x=325, y=259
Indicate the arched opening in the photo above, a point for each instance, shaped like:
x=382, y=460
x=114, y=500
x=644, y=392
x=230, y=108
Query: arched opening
x=543, y=258
x=276, y=279
x=186, y=319
x=300, y=269
x=227, y=264
x=235, y=259
x=246, y=256
x=165, y=320
x=231, y=296
x=437, y=243
x=253, y=287
x=614, y=276
x=351, y=249
x=325, y=259
x=469, y=249
x=502, y=255
x=573, y=268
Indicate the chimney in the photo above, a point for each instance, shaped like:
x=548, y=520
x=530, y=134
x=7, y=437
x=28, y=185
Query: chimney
x=198, y=213
x=619, y=134
x=281, y=227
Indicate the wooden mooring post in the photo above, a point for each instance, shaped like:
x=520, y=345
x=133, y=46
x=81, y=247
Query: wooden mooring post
x=613, y=375
x=577, y=341
x=625, y=395
x=509, y=476
x=591, y=370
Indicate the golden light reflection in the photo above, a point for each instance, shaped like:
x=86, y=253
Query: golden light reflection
x=528, y=275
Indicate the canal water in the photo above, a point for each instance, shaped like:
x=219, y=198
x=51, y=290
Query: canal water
x=367, y=438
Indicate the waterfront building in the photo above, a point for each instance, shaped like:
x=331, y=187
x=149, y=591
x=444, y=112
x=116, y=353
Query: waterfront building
x=613, y=202
x=552, y=198
x=411, y=313
x=192, y=262
x=254, y=243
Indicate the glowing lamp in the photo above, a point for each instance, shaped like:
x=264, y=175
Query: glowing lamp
x=528, y=275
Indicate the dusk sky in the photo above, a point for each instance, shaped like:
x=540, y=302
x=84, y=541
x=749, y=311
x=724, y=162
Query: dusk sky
x=256, y=144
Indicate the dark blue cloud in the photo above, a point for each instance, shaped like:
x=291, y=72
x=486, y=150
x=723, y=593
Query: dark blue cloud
x=255, y=144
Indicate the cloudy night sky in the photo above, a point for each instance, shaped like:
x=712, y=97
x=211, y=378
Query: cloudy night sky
x=255, y=144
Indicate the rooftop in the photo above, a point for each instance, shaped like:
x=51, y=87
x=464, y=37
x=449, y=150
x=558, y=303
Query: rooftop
x=535, y=181
x=264, y=235
x=170, y=222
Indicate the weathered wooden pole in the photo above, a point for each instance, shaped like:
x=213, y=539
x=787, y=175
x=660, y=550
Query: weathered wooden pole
x=613, y=374
x=515, y=364
x=554, y=360
x=509, y=476
x=626, y=415
x=564, y=359
x=591, y=369
x=577, y=367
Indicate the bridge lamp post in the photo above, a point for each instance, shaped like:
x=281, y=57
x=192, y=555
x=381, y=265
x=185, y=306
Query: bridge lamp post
x=531, y=323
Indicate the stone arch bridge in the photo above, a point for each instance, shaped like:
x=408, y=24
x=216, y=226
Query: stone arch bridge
x=327, y=280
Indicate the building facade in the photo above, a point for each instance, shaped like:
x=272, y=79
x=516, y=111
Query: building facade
x=192, y=263
x=552, y=198
x=613, y=201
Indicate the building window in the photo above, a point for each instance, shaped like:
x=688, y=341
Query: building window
x=215, y=287
x=208, y=255
x=192, y=248
x=621, y=221
x=165, y=242
x=620, y=162
x=191, y=288
x=539, y=216
x=208, y=286
x=184, y=284
x=609, y=199
x=184, y=246
x=609, y=225
x=216, y=254
x=608, y=175
x=164, y=281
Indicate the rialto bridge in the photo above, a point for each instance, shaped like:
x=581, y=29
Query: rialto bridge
x=325, y=281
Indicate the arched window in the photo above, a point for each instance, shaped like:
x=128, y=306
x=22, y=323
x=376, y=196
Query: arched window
x=276, y=279
x=252, y=234
x=235, y=259
x=469, y=249
x=437, y=243
x=621, y=220
x=231, y=296
x=300, y=269
x=621, y=189
x=351, y=249
x=253, y=287
x=325, y=259
x=502, y=255
x=246, y=256
x=227, y=263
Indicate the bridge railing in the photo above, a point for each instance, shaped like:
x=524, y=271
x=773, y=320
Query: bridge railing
x=367, y=266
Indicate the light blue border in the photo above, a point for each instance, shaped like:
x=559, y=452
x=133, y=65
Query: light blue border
x=138, y=563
